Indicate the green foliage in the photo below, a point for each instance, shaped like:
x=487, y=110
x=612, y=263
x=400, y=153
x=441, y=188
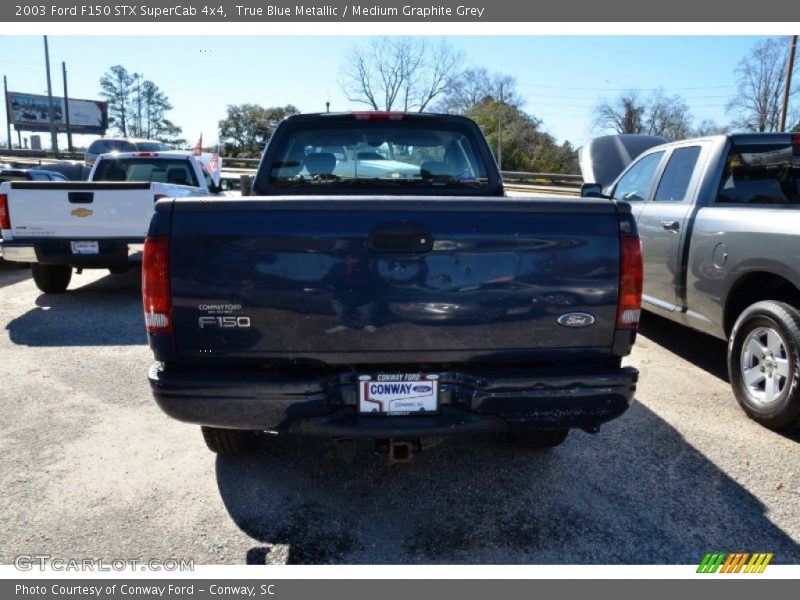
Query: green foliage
x=247, y=128
x=115, y=87
x=524, y=146
x=137, y=107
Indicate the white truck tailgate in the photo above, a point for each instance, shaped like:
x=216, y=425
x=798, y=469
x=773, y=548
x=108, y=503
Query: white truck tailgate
x=80, y=209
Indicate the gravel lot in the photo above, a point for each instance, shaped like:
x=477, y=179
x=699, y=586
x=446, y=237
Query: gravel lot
x=91, y=468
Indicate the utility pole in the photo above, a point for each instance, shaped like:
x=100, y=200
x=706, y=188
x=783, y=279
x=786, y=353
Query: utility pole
x=500, y=131
x=66, y=106
x=139, y=103
x=788, y=87
x=8, y=111
x=53, y=137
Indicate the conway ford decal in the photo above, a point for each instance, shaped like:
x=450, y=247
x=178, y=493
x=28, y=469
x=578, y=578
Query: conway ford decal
x=575, y=319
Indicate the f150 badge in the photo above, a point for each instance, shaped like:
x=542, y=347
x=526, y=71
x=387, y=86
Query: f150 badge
x=226, y=322
x=575, y=319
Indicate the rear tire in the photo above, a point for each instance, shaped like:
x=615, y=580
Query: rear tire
x=230, y=442
x=764, y=363
x=51, y=279
x=539, y=439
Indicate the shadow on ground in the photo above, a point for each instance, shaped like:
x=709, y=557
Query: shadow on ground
x=637, y=493
x=105, y=312
x=12, y=272
x=703, y=351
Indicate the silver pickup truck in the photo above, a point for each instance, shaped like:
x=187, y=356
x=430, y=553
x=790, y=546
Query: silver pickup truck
x=719, y=220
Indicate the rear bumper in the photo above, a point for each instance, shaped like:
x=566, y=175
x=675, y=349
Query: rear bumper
x=59, y=252
x=325, y=403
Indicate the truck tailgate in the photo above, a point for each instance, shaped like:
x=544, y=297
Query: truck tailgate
x=372, y=280
x=79, y=209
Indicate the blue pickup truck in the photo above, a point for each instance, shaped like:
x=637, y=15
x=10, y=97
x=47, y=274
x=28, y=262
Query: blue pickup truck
x=380, y=284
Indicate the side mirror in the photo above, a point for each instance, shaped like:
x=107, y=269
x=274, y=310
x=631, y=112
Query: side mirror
x=592, y=190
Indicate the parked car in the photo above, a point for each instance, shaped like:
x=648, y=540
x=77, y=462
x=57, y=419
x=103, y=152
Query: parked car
x=719, y=219
x=30, y=175
x=342, y=304
x=72, y=170
x=108, y=145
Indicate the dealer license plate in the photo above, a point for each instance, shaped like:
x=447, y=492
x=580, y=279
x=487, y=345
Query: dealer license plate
x=85, y=247
x=398, y=394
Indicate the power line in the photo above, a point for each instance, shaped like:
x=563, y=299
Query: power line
x=573, y=97
x=624, y=89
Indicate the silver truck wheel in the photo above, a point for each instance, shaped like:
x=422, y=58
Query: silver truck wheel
x=764, y=363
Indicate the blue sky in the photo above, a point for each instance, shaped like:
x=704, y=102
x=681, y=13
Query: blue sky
x=561, y=77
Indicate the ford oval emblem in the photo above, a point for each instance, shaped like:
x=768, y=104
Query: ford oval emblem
x=422, y=389
x=575, y=319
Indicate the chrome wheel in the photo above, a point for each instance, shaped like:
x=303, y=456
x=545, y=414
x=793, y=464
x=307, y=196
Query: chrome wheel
x=764, y=365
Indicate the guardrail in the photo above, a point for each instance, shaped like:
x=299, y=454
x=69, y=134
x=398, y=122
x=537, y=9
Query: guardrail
x=561, y=179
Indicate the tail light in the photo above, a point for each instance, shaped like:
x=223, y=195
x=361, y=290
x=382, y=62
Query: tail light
x=5, y=218
x=155, y=285
x=378, y=116
x=630, y=283
x=145, y=154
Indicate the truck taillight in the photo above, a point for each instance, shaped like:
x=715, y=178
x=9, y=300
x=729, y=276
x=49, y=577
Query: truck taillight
x=5, y=218
x=155, y=285
x=630, y=283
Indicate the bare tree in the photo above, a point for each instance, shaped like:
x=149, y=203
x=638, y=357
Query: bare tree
x=663, y=115
x=623, y=115
x=473, y=86
x=760, y=84
x=667, y=116
x=709, y=127
x=400, y=73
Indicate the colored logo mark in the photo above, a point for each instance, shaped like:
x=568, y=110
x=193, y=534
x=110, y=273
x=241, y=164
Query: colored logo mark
x=734, y=562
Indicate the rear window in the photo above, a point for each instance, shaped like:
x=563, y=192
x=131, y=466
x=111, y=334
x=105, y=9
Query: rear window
x=162, y=170
x=761, y=174
x=152, y=147
x=104, y=146
x=378, y=154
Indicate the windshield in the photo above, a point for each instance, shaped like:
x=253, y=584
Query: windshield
x=162, y=170
x=378, y=154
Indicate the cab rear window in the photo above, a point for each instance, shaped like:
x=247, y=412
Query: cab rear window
x=761, y=174
x=162, y=170
x=378, y=154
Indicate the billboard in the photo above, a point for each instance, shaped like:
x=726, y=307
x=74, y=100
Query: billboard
x=31, y=112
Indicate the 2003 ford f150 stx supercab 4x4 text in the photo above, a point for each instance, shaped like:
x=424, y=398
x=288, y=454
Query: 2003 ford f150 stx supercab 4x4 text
x=392, y=303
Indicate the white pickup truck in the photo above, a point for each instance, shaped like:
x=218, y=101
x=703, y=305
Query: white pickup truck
x=99, y=224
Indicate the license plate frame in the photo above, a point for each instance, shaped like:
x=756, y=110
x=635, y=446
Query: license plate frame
x=85, y=247
x=398, y=394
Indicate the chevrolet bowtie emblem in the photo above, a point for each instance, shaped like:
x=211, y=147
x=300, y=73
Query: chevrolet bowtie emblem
x=81, y=212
